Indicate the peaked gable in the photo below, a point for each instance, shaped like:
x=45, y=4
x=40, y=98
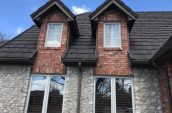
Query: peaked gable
x=45, y=8
x=117, y=3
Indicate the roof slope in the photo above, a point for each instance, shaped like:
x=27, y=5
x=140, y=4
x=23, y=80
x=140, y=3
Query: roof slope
x=164, y=52
x=3, y=42
x=83, y=48
x=149, y=32
x=22, y=48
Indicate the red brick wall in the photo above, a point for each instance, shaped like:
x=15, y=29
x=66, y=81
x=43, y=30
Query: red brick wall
x=48, y=60
x=113, y=61
x=164, y=91
x=170, y=75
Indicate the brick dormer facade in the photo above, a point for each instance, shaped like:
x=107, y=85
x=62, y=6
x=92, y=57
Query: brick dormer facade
x=48, y=59
x=113, y=61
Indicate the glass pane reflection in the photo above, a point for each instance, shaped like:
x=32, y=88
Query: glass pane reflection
x=56, y=95
x=123, y=95
x=37, y=94
x=103, y=95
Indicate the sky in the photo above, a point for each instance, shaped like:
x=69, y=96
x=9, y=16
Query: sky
x=15, y=14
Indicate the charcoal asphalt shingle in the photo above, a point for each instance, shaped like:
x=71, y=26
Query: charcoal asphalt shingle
x=21, y=48
x=150, y=31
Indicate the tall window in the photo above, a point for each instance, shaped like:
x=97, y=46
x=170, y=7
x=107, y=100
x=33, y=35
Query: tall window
x=112, y=35
x=46, y=94
x=113, y=95
x=54, y=35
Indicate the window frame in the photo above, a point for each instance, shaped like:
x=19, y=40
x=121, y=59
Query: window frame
x=46, y=93
x=104, y=36
x=46, y=36
x=113, y=85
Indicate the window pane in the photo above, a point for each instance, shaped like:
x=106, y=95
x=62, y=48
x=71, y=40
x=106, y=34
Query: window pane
x=37, y=94
x=53, y=36
x=103, y=95
x=123, y=95
x=56, y=95
x=112, y=35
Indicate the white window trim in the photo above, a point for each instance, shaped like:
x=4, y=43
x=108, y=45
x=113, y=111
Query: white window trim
x=113, y=110
x=61, y=34
x=46, y=93
x=120, y=35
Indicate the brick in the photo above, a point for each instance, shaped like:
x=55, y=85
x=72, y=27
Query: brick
x=112, y=61
x=48, y=60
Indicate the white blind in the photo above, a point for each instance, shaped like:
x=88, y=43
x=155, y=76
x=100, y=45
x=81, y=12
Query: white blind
x=54, y=34
x=112, y=35
x=113, y=95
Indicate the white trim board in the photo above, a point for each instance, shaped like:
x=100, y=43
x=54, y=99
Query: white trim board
x=59, y=6
x=118, y=5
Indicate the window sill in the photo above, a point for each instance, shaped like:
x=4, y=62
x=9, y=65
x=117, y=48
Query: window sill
x=51, y=48
x=113, y=49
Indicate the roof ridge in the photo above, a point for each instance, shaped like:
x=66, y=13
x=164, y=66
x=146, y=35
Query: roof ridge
x=83, y=13
x=153, y=11
x=17, y=36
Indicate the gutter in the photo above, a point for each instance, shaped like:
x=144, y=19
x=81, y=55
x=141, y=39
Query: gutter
x=79, y=86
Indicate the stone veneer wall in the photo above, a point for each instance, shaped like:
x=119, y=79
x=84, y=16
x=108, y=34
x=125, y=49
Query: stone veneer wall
x=14, y=82
x=87, y=91
x=145, y=84
x=146, y=91
x=71, y=90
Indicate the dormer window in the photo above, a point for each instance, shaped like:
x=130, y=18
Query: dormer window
x=112, y=35
x=54, y=35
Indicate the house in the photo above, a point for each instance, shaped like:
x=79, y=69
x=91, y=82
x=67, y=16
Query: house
x=111, y=60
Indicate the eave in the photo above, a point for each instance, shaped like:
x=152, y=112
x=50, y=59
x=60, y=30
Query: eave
x=49, y=5
x=84, y=62
x=131, y=14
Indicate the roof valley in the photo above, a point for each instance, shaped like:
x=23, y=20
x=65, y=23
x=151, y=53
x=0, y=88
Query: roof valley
x=82, y=48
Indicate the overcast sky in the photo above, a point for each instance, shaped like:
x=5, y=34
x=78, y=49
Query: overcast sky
x=15, y=14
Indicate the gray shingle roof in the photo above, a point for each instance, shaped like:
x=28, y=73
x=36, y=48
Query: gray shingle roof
x=22, y=48
x=2, y=43
x=149, y=32
x=164, y=52
x=83, y=48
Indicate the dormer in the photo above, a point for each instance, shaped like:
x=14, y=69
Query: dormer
x=57, y=26
x=111, y=25
x=116, y=5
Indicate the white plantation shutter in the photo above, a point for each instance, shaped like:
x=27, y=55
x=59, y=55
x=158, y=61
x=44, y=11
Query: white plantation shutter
x=46, y=94
x=113, y=95
x=112, y=35
x=54, y=34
